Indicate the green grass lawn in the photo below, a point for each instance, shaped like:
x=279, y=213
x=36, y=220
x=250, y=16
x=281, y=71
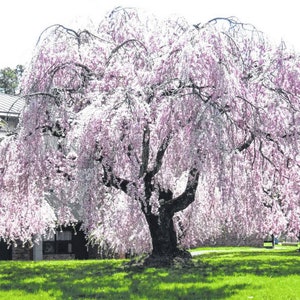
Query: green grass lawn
x=232, y=273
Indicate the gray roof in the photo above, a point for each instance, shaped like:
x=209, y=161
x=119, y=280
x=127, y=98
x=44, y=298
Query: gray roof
x=11, y=105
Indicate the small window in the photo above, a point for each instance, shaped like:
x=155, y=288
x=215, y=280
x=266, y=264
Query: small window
x=64, y=235
x=48, y=247
x=59, y=243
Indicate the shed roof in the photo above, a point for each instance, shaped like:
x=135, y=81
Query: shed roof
x=11, y=105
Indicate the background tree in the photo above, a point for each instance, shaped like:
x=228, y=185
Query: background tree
x=9, y=79
x=155, y=133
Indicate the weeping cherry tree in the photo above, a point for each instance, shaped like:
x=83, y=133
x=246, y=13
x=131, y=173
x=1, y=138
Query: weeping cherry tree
x=155, y=134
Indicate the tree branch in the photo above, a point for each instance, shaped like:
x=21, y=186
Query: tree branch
x=70, y=31
x=122, y=45
x=247, y=143
x=110, y=180
x=265, y=157
x=145, y=151
x=160, y=154
x=188, y=196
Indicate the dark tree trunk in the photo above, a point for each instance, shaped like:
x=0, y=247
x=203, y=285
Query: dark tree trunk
x=163, y=235
x=164, y=240
x=161, y=225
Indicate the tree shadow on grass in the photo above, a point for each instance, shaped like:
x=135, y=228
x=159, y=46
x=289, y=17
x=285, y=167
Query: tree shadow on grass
x=172, y=283
x=109, y=279
x=63, y=280
x=265, y=263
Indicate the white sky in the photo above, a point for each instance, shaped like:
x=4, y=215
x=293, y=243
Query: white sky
x=22, y=21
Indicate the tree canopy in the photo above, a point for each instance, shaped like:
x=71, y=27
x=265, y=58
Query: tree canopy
x=155, y=132
x=9, y=79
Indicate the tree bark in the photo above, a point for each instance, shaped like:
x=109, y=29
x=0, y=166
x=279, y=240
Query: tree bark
x=163, y=235
x=161, y=226
x=164, y=240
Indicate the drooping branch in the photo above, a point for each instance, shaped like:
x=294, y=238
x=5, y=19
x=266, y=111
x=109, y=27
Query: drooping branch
x=77, y=35
x=232, y=22
x=80, y=70
x=115, y=50
x=57, y=27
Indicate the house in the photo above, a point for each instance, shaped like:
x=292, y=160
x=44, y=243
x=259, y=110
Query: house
x=10, y=109
x=67, y=242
